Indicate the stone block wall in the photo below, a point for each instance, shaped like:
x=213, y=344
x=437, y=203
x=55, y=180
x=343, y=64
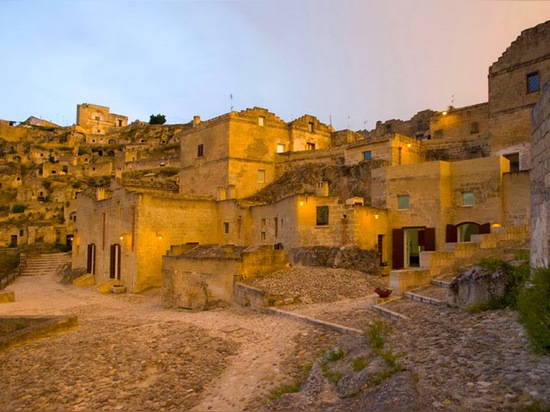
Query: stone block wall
x=540, y=181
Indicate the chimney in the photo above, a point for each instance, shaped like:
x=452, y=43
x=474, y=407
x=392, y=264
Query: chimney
x=196, y=120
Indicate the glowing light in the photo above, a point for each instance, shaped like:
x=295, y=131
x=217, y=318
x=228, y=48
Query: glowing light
x=376, y=216
x=444, y=112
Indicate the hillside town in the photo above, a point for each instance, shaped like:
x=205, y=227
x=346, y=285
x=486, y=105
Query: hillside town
x=204, y=215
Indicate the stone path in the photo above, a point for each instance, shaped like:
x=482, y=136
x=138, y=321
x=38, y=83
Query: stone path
x=129, y=353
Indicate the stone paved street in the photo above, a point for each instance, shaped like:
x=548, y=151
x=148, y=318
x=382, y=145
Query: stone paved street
x=129, y=353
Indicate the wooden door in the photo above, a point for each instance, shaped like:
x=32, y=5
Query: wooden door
x=397, y=249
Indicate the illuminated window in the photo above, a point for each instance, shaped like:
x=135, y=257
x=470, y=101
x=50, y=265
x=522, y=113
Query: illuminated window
x=367, y=155
x=467, y=198
x=200, y=150
x=280, y=148
x=261, y=176
x=533, y=82
x=322, y=215
x=403, y=202
x=261, y=121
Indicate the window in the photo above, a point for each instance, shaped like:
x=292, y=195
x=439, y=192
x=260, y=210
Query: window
x=21, y=233
x=322, y=215
x=389, y=128
x=226, y=228
x=310, y=127
x=120, y=123
x=438, y=134
x=533, y=82
x=367, y=155
x=280, y=148
x=263, y=227
x=96, y=118
x=467, y=198
x=261, y=176
x=261, y=121
x=474, y=128
x=403, y=202
x=200, y=150
x=419, y=125
x=310, y=146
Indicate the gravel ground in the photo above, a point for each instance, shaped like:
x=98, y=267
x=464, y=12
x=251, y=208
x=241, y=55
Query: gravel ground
x=317, y=284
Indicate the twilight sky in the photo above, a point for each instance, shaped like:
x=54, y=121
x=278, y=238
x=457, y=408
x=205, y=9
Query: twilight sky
x=347, y=61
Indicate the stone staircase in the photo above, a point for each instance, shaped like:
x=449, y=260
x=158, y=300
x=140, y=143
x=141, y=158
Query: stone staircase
x=47, y=264
x=448, y=262
x=433, y=294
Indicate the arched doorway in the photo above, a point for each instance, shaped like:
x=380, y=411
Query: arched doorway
x=465, y=231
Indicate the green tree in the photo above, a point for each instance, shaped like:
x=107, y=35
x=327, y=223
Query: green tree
x=157, y=119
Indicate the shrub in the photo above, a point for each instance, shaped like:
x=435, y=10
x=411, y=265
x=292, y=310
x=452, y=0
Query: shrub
x=376, y=335
x=534, y=310
x=335, y=355
x=360, y=363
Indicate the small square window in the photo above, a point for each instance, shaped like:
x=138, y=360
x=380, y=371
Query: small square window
x=96, y=118
x=322, y=215
x=310, y=146
x=403, y=202
x=419, y=125
x=261, y=176
x=533, y=82
x=261, y=121
x=226, y=228
x=367, y=155
x=280, y=148
x=389, y=128
x=310, y=127
x=467, y=198
x=474, y=128
x=200, y=150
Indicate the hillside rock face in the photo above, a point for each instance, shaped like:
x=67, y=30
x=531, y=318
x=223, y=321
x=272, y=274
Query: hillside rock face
x=476, y=286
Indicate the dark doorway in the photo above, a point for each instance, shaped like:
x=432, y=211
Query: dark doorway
x=114, y=272
x=90, y=259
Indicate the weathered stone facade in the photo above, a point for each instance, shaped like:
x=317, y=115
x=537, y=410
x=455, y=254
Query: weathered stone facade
x=540, y=181
x=98, y=119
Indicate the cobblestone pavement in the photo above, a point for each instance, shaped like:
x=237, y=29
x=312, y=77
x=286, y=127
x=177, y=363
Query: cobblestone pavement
x=131, y=354
x=461, y=360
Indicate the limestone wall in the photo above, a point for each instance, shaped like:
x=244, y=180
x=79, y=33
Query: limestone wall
x=516, y=190
x=98, y=119
x=462, y=123
x=510, y=101
x=540, y=181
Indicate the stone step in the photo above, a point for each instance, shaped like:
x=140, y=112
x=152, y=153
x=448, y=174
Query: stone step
x=441, y=283
x=424, y=299
x=381, y=309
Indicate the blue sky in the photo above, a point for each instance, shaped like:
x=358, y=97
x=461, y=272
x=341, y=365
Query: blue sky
x=345, y=61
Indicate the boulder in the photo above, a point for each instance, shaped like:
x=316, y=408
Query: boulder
x=476, y=286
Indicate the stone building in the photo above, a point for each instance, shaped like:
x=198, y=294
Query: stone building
x=233, y=156
x=251, y=185
x=98, y=119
